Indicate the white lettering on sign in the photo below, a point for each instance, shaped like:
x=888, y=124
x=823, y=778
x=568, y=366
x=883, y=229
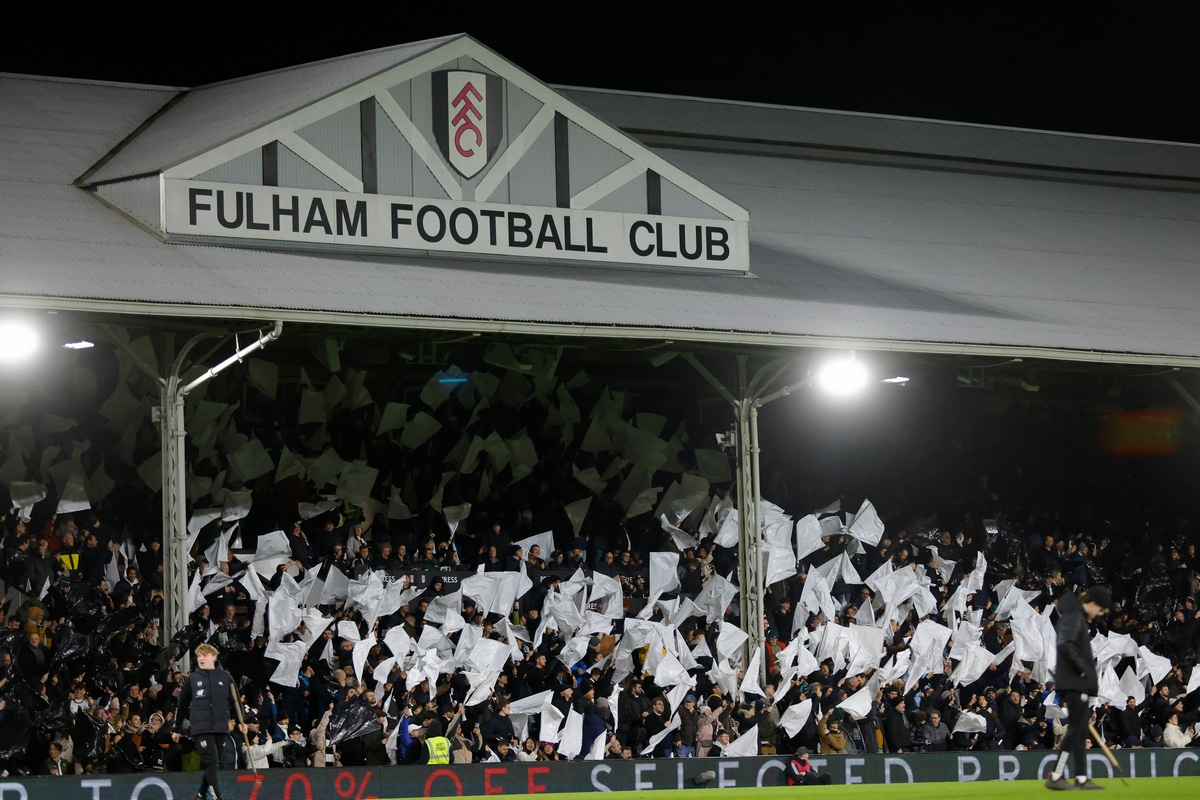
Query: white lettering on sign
x=1102, y=760
x=96, y=784
x=1010, y=768
x=597, y=771
x=888, y=763
x=202, y=208
x=772, y=764
x=975, y=768
x=157, y=783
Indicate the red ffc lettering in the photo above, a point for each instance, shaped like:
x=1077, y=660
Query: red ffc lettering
x=462, y=122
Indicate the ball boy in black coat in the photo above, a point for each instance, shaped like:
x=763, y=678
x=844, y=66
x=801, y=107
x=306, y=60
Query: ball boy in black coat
x=207, y=699
x=1075, y=681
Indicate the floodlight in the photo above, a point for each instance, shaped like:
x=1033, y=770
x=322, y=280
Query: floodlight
x=842, y=377
x=18, y=341
x=82, y=344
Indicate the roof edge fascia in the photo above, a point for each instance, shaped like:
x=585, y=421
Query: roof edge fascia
x=495, y=326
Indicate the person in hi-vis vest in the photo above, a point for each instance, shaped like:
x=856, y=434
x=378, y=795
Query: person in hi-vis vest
x=436, y=748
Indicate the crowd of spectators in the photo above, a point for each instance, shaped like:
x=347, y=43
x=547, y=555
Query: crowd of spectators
x=89, y=682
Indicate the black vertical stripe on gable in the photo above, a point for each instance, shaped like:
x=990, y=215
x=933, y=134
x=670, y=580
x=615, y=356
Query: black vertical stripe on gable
x=562, y=162
x=368, y=145
x=270, y=164
x=653, y=192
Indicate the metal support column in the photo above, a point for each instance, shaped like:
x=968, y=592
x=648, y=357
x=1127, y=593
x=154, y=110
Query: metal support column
x=172, y=396
x=174, y=502
x=750, y=528
x=749, y=488
x=175, y=600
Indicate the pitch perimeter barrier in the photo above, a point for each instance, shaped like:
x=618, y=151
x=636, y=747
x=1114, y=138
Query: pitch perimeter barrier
x=362, y=783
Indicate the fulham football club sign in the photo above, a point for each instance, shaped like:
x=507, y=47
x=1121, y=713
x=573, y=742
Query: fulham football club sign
x=459, y=153
x=468, y=118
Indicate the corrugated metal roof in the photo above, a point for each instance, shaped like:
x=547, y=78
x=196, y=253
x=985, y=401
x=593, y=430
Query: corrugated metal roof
x=843, y=130
x=838, y=249
x=211, y=115
x=52, y=129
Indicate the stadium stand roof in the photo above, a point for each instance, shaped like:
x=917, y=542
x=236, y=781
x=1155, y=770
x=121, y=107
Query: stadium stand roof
x=864, y=230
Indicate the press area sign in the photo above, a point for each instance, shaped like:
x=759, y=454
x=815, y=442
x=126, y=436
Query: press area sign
x=269, y=213
x=475, y=780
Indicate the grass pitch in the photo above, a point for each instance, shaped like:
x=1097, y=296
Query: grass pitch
x=1156, y=788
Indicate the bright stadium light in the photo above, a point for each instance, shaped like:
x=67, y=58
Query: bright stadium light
x=18, y=341
x=842, y=377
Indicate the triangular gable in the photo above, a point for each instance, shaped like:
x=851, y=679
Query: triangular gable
x=452, y=150
x=205, y=117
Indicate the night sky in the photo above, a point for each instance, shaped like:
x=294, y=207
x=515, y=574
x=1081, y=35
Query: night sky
x=1118, y=69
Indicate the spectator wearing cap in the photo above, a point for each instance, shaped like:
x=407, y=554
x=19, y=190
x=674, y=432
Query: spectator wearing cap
x=707, y=726
x=593, y=724
x=773, y=648
x=768, y=723
x=802, y=773
x=896, y=733
x=689, y=726
x=512, y=563
x=159, y=752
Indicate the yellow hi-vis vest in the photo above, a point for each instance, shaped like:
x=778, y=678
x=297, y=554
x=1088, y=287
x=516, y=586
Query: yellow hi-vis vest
x=439, y=750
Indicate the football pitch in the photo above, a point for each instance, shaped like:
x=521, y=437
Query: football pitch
x=1157, y=788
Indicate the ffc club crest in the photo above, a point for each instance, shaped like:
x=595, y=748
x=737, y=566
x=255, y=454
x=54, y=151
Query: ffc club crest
x=468, y=118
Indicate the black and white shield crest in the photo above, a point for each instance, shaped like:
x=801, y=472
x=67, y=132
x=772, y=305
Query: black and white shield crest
x=468, y=118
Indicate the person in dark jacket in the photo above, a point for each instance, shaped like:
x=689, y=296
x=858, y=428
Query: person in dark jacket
x=206, y=699
x=33, y=660
x=896, y=733
x=1075, y=680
